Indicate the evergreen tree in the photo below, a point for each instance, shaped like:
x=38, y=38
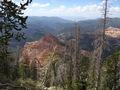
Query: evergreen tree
x=34, y=70
x=26, y=68
x=12, y=22
x=112, y=72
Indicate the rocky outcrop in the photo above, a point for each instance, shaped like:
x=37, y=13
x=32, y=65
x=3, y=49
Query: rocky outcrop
x=113, y=36
x=110, y=32
x=40, y=50
x=113, y=32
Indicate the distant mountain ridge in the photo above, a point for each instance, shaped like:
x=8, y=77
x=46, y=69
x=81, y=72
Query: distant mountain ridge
x=38, y=27
x=55, y=25
x=44, y=25
x=49, y=19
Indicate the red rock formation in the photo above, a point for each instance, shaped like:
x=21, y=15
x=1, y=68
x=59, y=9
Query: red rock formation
x=40, y=50
x=110, y=32
x=113, y=32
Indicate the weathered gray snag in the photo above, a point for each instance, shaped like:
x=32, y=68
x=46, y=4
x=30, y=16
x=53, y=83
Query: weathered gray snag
x=99, y=46
x=77, y=56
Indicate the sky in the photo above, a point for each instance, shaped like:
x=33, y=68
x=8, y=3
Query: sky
x=71, y=9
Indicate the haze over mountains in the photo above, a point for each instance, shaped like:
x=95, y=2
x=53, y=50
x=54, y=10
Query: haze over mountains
x=57, y=24
x=38, y=27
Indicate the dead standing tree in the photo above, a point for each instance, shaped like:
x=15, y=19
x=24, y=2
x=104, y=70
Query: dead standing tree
x=77, y=55
x=99, y=46
x=73, y=59
x=68, y=60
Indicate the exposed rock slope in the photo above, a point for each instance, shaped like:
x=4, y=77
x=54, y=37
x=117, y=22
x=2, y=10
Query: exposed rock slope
x=113, y=32
x=40, y=50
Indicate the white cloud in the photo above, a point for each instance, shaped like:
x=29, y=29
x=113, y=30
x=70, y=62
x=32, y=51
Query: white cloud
x=115, y=9
x=91, y=8
x=18, y=2
x=40, y=5
x=87, y=11
x=59, y=9
x=76, y=10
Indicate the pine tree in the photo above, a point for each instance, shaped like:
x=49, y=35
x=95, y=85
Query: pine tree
x=34, y=70
x=112, y=72
x=26, y=68
x=11, y=21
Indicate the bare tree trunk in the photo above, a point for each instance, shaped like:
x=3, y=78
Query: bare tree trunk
x=102, y=46
x=77, y=57
x=99, y=47
x=70, y=64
